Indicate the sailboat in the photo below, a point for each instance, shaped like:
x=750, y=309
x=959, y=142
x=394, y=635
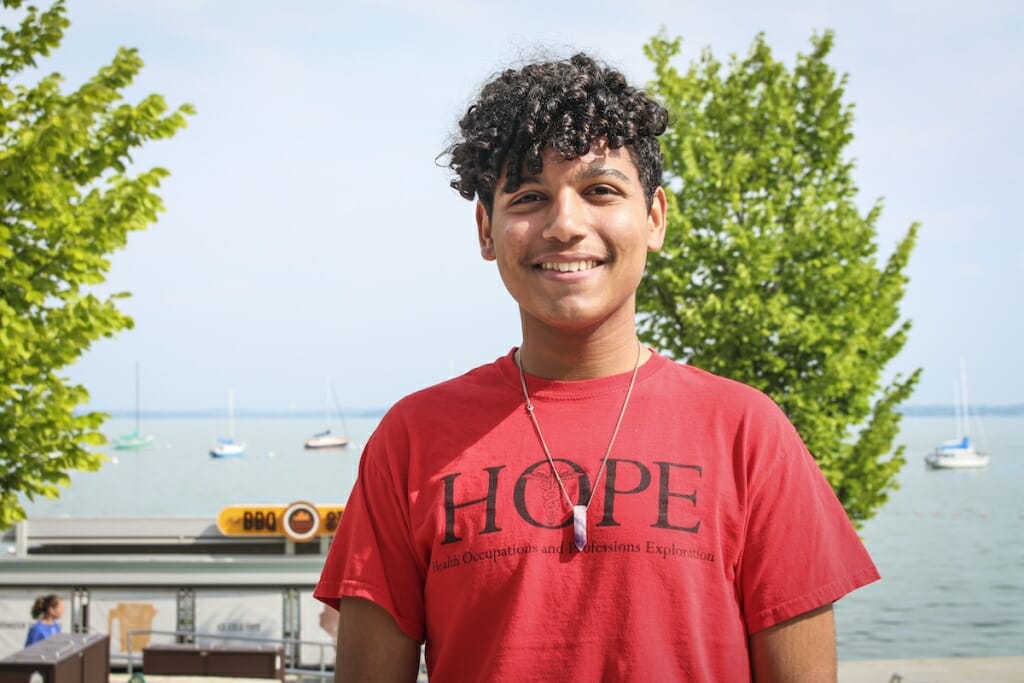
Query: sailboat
x=958, y=453
x=134, y=440
x=227, y=447
x=325, y=439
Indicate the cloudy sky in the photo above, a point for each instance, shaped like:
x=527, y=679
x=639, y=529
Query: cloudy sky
x=311, y=237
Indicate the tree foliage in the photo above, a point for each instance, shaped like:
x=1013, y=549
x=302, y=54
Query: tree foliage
x=69, y=199
x=769, y=274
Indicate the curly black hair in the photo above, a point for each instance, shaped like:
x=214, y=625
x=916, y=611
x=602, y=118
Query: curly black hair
x=564, y=105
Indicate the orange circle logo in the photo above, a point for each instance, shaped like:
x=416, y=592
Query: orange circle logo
x=301, y=521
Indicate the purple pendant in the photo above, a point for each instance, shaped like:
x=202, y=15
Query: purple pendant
x=579, y=525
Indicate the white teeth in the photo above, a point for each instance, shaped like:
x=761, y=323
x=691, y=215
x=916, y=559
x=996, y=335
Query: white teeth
x=571, y=267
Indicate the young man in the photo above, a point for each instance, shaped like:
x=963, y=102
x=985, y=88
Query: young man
x=584, y=508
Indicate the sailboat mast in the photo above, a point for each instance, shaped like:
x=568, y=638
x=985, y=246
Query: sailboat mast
x=963, y=397
x=337, y=407
x=327, y=406
x=138, y=408
x=956, y=410
x=231, y=414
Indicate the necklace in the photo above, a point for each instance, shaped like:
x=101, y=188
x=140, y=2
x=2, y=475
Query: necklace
x=579, y=512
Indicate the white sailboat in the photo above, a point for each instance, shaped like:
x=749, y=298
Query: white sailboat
x=134, y=440
x=325, y=439
x=958, y=453
x=227, y=447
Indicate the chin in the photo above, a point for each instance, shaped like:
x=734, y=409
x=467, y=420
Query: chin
x=577, y=322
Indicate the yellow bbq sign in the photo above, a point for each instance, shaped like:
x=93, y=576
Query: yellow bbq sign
x=300, y=521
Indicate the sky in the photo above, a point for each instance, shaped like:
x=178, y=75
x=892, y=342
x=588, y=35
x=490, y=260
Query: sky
x=311, y=238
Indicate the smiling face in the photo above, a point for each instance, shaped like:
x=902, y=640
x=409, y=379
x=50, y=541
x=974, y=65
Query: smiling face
x=571, y=243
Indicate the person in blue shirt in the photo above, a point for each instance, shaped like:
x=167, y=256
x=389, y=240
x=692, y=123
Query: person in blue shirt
x=46, y=610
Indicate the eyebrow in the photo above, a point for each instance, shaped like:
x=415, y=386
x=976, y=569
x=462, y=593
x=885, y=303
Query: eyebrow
x=589, y=173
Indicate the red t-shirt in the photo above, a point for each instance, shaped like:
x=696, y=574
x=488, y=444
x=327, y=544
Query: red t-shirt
x=712, y=522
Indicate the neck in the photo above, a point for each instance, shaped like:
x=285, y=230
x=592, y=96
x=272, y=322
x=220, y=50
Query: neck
x=566, y=350
x=580, y=355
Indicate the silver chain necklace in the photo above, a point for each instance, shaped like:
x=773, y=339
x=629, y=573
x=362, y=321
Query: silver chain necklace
x=579, y=512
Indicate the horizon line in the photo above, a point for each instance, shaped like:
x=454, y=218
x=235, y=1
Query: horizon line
x=918, y=410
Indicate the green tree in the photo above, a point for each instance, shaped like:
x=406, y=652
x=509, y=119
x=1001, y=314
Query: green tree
x=69, y=199
x=769, y=273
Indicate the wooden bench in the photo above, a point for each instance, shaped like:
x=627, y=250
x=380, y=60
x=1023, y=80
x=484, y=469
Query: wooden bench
x=252, y=661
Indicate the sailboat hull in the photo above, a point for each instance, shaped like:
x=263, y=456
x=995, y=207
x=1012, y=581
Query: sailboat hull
x=956, y=459
x=132, y=442
x=326, y=442
x=228, y=450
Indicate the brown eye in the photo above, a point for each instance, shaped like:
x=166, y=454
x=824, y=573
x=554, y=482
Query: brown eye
x=603, y=190
x=527, y=198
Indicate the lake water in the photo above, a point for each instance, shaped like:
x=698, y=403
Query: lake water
x=950, y=545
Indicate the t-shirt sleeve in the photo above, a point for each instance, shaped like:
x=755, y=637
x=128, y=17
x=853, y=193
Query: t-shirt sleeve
x=373, y=555
x=800, y=549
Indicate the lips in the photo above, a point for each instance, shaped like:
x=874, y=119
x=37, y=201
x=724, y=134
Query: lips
x=568, y=266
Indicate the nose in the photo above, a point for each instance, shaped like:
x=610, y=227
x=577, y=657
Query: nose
x=567, y=219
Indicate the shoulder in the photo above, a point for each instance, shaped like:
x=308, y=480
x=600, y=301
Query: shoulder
x=456, y=398
x=725, y=398
x=433, y=417
x=36, y=632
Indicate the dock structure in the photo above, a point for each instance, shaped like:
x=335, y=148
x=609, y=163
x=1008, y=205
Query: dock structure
x=246, y=576
x=161, y=580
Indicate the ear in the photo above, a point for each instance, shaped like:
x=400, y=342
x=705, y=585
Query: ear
x=483, y=232
x=656, y=220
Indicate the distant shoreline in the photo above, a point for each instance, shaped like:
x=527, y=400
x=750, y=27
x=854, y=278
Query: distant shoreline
x=909, y=411
x=219, y=413
x=949, y=411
